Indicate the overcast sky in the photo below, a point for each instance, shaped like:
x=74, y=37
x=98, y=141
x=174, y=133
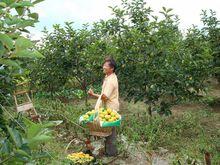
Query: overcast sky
x=88, y=11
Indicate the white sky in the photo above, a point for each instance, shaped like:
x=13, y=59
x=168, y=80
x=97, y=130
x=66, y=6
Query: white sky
x=88, y=11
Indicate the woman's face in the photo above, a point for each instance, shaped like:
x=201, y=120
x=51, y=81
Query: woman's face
x=107, y=68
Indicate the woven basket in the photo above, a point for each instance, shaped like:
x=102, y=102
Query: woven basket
x=94, y=127
x=96, y=130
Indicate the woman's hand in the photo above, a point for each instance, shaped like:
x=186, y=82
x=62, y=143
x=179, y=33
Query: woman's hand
x=90, y=92
x=104, y=98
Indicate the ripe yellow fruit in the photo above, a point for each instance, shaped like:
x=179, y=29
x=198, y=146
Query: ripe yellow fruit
x=85, y=116
x=109, y=111
x=111, y=119
x=107, y=116
x=117, y=116
x=101, y=115
x=105, y=112
x=113, y=113
x=114, y=118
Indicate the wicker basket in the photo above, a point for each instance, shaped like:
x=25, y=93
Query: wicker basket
x=96, y=130
x=94, y=127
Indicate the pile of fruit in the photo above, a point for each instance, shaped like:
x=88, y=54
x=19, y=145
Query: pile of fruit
x=80, y=158
x=88, y=114
x=108, y=115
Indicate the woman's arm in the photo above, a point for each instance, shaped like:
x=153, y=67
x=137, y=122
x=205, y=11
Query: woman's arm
x=91, y=93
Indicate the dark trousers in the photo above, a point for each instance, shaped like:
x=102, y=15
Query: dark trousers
x=110, y=144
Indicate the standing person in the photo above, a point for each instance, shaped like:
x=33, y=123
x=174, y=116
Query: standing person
x=110, y=96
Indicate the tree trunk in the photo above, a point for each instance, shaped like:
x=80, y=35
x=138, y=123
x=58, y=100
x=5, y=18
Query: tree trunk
x=207, y=157
x=85, y=93
x=86, y=98
x=150, y=111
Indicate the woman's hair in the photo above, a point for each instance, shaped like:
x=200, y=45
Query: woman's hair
x=111, y=62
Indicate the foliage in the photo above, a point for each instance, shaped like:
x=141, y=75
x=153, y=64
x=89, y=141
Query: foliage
x=71, y=56
x=23, y=141
x=156, y=64
x=211, y=32
x=14, y=47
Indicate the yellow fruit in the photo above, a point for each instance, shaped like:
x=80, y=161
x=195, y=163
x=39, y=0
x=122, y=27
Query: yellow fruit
x=109, y=110
x=85, y=116
x=111, y=119
x=87, y=156
x=113, y=114
x=105, y=112
x=101, y=115
x=107, y=116
x=114, y=118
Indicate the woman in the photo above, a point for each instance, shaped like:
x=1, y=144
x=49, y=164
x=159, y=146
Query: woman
x=110, y=96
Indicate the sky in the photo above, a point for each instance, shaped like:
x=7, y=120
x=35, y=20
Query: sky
x=89, y=11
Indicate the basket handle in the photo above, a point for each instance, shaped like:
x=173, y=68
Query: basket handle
x=98, y=103
x=97, y=106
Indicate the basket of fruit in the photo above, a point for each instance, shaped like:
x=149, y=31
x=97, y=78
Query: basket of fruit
x=101, y=120
x=102, y=124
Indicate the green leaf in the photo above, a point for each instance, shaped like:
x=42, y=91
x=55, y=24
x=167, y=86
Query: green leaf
x=216, y=70
x=21, y=4
x=33, y=130
x=22, y=43
x=9, y=62
x=3, y=4
x=26, y=23
x=12, y=21
x=20, y=10
x=28, y=122
x=22, y=152
x=164, y=8
x=37, y=54
x=6, y=40
x=169, y=10
x=33, y=15
x=38, y=140
x=15, y=136
x=2, y=49
x=28, y=54
x=5, y=146
x=8, y=2
x=25, y=30
x=37, y=1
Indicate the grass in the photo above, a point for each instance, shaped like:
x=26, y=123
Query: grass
x=191, y=131
x=187, y=135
